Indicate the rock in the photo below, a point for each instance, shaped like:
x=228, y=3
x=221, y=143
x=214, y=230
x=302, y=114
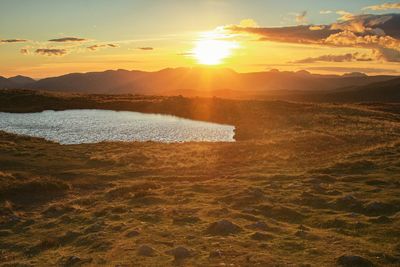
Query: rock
x=180, y=253
x=379, y=208
x=223, y=227
x=261, y=236
x=132, y=233
x=146, y=251
x=74, y=261
x=353, y=261
x=216, y=254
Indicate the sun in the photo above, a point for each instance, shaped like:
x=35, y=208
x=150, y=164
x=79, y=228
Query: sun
x=210, y=51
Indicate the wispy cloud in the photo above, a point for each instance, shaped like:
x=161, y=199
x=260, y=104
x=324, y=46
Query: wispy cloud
x=146, y=48
x=335, y=58
x=68, y=39
x=51, y=52
x=301, y=18
x=24, y=51
x=13, y=41
x=385, y=6
x=99, y=46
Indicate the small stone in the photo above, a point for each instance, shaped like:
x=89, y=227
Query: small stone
x=132, y=233
x=146, y=251
x=223, y=227
x=180, y=253
x=353, y=261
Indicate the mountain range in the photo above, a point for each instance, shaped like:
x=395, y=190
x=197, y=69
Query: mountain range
x=219, y=82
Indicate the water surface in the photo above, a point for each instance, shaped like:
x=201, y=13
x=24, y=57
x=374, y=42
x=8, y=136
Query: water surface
x=93, y=126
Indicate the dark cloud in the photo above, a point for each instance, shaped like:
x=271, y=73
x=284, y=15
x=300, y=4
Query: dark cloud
x=24, y=51
x=365, y=31
x=68, y=39
x=146, y=48
x=349, y=69
x=50, y=52
x=295, y=34
x=13, y=41
x=99, y=46
x=335, y=58
x=387, y=54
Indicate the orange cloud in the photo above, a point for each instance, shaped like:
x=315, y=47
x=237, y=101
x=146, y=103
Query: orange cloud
x=385, y=6
x=363, y=31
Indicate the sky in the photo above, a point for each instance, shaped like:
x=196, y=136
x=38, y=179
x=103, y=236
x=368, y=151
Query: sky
x=42, y=38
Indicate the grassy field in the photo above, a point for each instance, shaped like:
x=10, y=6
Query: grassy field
x=304, y=185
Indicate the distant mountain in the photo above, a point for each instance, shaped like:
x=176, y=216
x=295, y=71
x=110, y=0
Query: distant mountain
x=21, y=80
x=202, y=80
x=5, y=83
x=15, y=82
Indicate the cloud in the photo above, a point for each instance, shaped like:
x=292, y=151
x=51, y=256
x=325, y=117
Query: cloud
x=186, y=54
x=13, y=41
x=292, y=34
x=335, y=58
x=324, y=12
x=350, y=69
x=361, y=31
x=345, y=16
x=385, y=6
x=248, y=23
x=316, y=27
x=301, y=18
x=146, y=48
x=99, y=46
x=24, y=51
x=387, y=54
x=68, y=39
x=51, y=52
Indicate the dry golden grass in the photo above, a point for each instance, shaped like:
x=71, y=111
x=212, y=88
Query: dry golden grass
x=304, y=185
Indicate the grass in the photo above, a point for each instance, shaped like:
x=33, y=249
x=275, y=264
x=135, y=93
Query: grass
x=304, y=185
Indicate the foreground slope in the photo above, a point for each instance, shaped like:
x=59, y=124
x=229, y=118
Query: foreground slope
x=315, y=183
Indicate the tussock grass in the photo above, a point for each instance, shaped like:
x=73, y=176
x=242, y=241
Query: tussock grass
x=304, y=185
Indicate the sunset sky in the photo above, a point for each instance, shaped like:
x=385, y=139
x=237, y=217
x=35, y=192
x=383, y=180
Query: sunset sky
x=44, y=38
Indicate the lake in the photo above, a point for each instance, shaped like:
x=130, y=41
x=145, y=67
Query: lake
x=94, y=126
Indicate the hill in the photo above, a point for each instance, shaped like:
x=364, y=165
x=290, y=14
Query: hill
x=193, y=82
